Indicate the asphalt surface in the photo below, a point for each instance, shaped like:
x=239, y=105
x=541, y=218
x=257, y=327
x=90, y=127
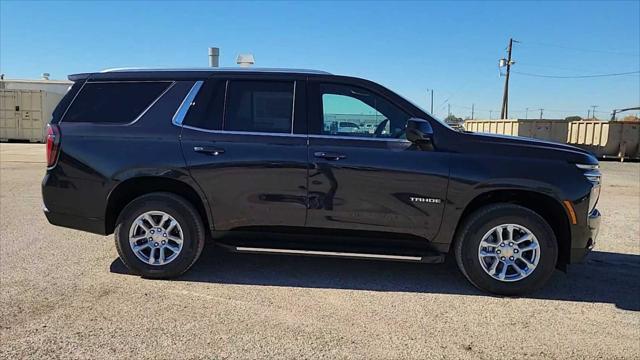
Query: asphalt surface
x=65, y=294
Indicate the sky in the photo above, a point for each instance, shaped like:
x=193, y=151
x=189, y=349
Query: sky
x=410, y=47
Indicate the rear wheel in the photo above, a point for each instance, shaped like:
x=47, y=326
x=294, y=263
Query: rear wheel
x=159, y=235
x=506, y=249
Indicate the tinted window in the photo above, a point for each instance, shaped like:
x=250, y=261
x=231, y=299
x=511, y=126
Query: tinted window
x=353, y=111
x=113, y=102
x=259, y=106
x=206, y=111
x=66, y=100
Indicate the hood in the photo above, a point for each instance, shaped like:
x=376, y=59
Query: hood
x=527, y=147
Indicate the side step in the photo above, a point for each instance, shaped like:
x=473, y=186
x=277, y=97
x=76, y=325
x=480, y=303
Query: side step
x=428, y=258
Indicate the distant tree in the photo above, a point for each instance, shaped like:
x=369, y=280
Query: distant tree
x=573, y=118
x=452, y=119
x=631, y=118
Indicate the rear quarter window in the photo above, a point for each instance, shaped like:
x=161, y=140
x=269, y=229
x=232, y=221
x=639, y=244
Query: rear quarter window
x=113, y=102
x=63, y=105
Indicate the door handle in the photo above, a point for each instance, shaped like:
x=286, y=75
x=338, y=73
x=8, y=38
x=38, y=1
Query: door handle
x=210, y=150
x=329, y=155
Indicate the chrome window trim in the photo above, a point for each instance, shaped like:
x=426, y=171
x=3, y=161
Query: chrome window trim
x=293, y=105
x=255, y=133
x=234, y=132
x=180, y=114
x=224, y=104
x=172, y=83
x=358, y=138
x=71, y=103
x=152, y=103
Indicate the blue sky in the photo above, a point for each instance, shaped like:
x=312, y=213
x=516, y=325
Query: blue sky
x=452, y=47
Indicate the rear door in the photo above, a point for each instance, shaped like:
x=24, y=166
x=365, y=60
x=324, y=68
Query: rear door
x=369, y=177
x=239, y=143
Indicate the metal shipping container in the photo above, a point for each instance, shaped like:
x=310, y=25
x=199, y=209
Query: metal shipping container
x=24, y=114
x=26, y=107
x=607, y=139
x=551, y=130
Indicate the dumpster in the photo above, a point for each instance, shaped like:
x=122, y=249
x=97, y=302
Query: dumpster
x=545, y=129
x=607, y=139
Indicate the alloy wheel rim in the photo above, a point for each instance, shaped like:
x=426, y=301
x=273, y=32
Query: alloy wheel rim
x=509, y=252
x=156, y=238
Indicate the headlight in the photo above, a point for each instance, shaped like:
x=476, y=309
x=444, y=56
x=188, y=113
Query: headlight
x=592, y=173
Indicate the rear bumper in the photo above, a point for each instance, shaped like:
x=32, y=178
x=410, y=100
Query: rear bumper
x=92, y=225
x=587, y=239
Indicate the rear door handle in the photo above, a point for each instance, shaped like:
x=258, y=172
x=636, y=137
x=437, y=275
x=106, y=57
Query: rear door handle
x=210, y=150
x=329, y=155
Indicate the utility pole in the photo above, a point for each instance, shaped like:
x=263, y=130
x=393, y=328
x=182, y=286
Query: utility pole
x=431, y=100
x=593, y=112
x=490, y=114
x=588, y=114
x=526, y=113
x=472, y=110
x=505, y=97
x=541, y=110
x=448, y=109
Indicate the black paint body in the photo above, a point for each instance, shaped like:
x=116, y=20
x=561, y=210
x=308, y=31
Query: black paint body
x=276, y=183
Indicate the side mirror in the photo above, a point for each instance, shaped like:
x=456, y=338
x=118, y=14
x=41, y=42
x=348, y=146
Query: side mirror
x=420, y=132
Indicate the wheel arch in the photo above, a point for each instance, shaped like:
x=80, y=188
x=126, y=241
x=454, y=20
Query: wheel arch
x=551, y=210
x=132, y=188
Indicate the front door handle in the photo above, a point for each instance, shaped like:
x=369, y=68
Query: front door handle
x=329, y=155
x=210, y=150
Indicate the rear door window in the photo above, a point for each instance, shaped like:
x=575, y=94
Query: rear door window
x=259, y=106
x=114, y=102
x=206, y=110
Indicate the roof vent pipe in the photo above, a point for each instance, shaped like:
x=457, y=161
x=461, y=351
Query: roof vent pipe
x=214, y=56
x=245, y=60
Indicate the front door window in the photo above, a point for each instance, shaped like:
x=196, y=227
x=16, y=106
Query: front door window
x=352, y=111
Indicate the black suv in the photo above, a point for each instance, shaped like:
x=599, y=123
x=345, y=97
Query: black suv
x=261, y=161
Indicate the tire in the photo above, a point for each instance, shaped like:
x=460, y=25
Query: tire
x=189, y=226
x=491, y=221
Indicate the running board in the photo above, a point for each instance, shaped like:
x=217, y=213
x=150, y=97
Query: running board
x=329, y=253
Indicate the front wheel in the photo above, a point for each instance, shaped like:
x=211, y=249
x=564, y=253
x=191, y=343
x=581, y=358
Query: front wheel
x=159, y=235
x=506, y=249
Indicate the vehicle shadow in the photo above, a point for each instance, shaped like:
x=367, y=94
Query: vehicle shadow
x=602, y=278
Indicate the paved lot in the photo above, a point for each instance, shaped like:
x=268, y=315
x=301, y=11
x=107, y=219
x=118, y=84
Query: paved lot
x=65, y=294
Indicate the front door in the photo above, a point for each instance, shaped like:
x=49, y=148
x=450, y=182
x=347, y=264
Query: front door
x=364, y=174
x=239, y=145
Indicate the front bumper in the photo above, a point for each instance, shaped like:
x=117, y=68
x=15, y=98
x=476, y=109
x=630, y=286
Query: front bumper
x=587, y=241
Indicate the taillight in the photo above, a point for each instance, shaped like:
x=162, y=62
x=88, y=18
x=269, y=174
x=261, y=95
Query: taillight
x=53, y=144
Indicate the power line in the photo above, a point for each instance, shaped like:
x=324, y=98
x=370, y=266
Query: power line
x=582, y=49
x=577, y=76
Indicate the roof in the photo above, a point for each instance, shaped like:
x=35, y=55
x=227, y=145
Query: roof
x=185, y=73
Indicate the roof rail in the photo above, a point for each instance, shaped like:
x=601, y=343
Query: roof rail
x=220, y=69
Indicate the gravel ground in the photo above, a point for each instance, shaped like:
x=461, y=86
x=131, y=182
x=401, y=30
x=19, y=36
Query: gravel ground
x=65, y=294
